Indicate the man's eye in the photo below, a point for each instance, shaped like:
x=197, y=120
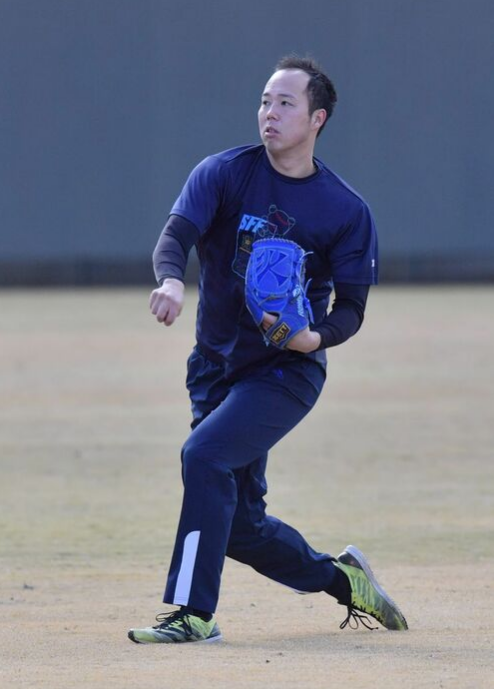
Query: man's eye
x=285, y=102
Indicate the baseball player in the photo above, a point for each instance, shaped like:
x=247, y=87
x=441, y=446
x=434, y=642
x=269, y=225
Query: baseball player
x=247, y=393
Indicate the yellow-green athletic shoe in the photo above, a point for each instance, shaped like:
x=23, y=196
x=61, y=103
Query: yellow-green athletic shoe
x=176, y=627
x=367, y=595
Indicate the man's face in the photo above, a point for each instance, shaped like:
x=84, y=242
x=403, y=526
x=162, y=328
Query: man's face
x=284, y=121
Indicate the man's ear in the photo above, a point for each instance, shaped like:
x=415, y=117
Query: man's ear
x=319, y=118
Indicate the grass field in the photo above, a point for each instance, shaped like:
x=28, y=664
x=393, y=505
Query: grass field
x=396, y=457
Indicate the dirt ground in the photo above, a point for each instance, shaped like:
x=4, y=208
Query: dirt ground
x=396, y=458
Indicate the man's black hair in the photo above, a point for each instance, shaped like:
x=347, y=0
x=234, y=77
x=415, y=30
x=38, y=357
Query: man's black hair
x=320, y=89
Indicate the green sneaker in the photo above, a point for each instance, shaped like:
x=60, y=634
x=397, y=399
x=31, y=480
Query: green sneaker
x=367, y=595
x=176, y=627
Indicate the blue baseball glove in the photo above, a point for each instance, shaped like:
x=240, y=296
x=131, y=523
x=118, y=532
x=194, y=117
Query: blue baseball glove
x=275, y=283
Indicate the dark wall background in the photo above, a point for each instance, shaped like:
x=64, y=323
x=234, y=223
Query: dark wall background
x=105, y=106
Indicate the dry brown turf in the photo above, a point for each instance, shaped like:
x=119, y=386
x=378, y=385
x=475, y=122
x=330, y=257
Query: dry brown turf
x=395, y=458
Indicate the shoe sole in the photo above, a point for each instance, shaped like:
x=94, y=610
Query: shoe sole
x=210, y=640
x=362, y=560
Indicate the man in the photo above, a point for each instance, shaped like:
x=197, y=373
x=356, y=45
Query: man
x=245, y=395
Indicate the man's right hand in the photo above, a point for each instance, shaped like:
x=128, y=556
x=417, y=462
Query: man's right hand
x=167, y=301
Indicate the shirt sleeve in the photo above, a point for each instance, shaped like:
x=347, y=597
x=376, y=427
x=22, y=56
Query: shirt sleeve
x=354, y=255
x=202, y=194
x=346, y=315
x=172, y=250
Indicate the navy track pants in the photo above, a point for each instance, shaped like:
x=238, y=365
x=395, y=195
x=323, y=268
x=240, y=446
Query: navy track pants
x=223, y=468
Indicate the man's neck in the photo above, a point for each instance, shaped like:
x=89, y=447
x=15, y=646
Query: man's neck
x=293, y=166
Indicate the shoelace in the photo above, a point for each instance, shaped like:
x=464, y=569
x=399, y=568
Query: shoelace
x=167, y=619
x=354, y=618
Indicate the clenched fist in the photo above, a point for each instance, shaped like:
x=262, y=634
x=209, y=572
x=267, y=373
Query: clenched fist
x=167, y=301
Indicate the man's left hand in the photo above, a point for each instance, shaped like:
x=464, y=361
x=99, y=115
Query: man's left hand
x=305, y=341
